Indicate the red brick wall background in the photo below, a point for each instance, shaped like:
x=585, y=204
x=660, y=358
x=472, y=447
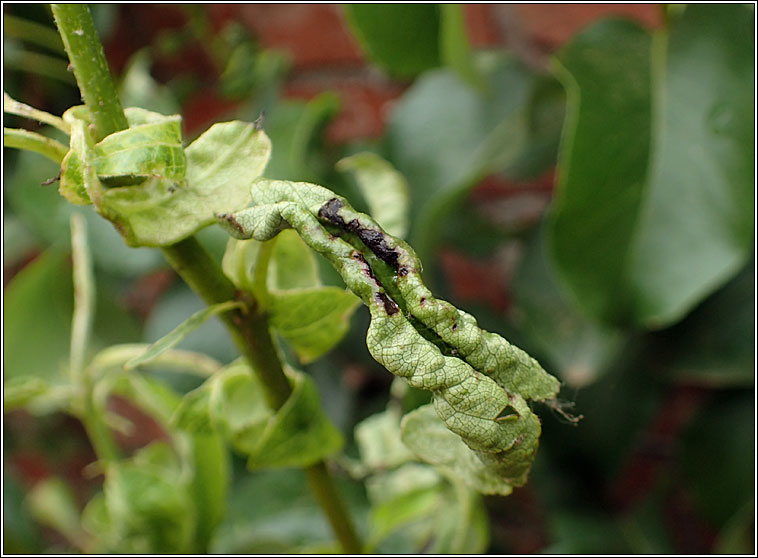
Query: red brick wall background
x=325, y=56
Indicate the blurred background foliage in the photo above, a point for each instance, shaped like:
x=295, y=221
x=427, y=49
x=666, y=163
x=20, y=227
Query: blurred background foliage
x=593, y=203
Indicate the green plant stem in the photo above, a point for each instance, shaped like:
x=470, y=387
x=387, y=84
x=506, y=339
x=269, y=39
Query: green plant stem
x=249, y=329
x=81, y=329
x=32, y=141
x=12, y=106
x=86, y=54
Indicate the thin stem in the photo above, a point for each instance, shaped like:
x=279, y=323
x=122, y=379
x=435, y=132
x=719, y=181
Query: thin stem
x=249, y=328
x=12, y=106
x=90, y=67
x=32, y=141
x=81, y=328
x=84, y=295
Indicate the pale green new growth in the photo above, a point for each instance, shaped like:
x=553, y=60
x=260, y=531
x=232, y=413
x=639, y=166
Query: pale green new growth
x=480, y=381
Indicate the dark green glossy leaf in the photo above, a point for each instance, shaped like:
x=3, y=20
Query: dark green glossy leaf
x=715, y=345
x=718, y=456
x=401, y=38
x=655, y=201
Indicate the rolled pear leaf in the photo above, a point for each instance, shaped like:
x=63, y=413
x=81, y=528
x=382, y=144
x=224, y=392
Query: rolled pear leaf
x=479, y=381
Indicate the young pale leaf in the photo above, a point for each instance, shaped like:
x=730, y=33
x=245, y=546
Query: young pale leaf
x=379, y=441
x=180, y=190
x=193, y=412
x=427, y=437
x=149, y=508
x=383, y=187
x=221, y=163
x=297, y=435
x=312, y=320
x=292, y=264
x=239, y=262
x=174, y=337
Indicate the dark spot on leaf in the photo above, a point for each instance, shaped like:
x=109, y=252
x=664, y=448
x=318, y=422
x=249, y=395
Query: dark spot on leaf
x=455, y=326
x=329, y=210
x=389, y=305
x=375, y=240
x=229, y=218
x=402, y=272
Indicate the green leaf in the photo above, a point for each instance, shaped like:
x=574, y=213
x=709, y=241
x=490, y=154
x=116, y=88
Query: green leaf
x=221, y=164
x=150, y=148
x=292, y=264
x=180, y=332
x=455, y=49
x=209, y=487
x=654, y=208
x=298, y=434
x=294, y=128
x=313, y=320
x=427, y=437
x=379, y=444
x=37, y=320
x=193, y=413
x=384, y=189
x=415, y=510
x=444, y=136
x=717, y=456
x=401, y=38
x=275, y=512
x=715, y=345
x=148, y=508
x=239, y=262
